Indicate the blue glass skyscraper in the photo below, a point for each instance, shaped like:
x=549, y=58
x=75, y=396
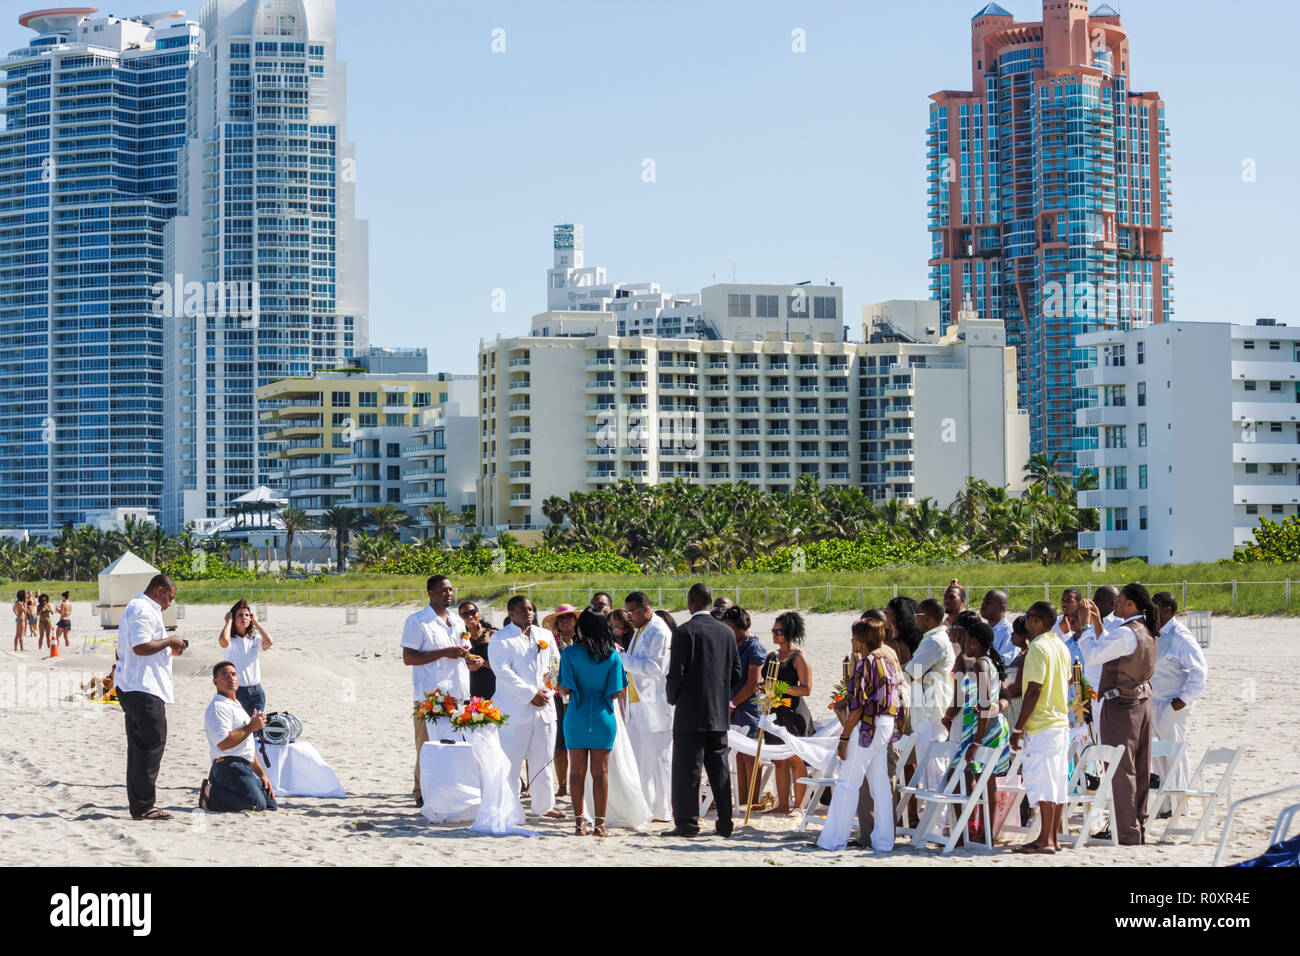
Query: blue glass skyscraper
x=94, y=117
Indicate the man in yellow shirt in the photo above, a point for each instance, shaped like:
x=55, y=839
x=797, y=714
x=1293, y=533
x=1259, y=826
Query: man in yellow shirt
x=1044, y=727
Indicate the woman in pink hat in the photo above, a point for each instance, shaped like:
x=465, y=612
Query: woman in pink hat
x=563, y=623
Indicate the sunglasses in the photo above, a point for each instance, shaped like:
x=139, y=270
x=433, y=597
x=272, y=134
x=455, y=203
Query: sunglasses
x=777, y=631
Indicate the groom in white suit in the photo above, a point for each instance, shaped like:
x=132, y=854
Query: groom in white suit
x=649, y=717
x=521, y=653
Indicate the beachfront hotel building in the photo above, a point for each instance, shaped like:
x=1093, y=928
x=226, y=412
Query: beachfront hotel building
x=335, y=438
x=1049, y=197
x=576, y=407
x=94, y=118
x=266, y=196
x=1197, y=430
x=440, y=464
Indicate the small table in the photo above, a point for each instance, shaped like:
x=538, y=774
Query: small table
x=298, y=770
x=449, y=782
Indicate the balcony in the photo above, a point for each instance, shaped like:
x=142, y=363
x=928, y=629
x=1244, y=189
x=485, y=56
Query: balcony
x=609, y=475
x=1266, y=371
x=1266, y=494
x=1111, y=498
x=521, y=386
x=601, y=385
x=521, y=453
x=1266, y=452
x=1107, y=540
x=899, y=411
x=907, y=389
x=520, y=408
x=1101, y=415
x=1287, y=410
x=1104, y=458
x=1097, y=375
x=601, y=363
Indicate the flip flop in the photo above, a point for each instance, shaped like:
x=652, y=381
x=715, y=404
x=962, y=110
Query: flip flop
x=155, y=814
x=1032, y=848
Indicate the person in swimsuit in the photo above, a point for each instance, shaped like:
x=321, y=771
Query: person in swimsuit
x=64, y=627
x=20, y=620
x=45, y=617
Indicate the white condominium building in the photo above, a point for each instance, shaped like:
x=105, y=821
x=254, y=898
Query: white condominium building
x=1197, y=430
x=266, y=236
x=575, y=407
x=440, y=463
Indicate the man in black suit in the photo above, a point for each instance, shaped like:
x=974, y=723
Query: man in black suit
x=703, y=666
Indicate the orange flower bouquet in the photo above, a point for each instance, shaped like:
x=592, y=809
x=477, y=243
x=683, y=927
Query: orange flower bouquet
x=435, y=706
x=477, y=713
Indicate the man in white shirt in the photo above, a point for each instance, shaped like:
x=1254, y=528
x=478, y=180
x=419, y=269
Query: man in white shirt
x=521, y=654
x=1178, y=680
x=438, y=658
x=649, y=716
x=932, y=687
x=994, y=611
x=1104, y=597
x=144, y=688
x=237, y=781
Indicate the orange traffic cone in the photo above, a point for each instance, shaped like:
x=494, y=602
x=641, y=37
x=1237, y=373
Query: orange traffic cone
x=54, y=649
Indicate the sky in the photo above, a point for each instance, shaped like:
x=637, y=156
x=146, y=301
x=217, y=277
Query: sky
x=770, y=165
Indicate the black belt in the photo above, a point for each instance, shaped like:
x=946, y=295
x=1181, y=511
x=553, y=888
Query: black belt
x=243, y=760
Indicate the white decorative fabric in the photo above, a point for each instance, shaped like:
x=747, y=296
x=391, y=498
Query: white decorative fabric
x=627, y=806
x=298, y=770
x=449, y=782
x=499, y=811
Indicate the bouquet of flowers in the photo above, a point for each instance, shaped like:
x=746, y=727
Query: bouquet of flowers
x=773, y=694
x=477, y=713
x=467, y=641
x=838, y=695
x=552, y=677
x=435, y=706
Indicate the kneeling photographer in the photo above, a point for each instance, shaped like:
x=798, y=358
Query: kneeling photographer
x=237, y=780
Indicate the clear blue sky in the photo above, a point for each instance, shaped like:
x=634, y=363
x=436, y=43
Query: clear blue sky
x=784, y=166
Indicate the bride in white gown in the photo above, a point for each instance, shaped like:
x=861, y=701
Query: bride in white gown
x=626, y=806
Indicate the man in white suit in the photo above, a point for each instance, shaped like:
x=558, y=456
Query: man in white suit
x=649, y=717
x=521, y=653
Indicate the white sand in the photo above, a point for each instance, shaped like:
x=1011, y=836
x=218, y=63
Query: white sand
x=62, y=766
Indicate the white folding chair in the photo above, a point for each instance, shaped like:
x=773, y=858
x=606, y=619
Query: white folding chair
x=1011, y=822
x=1093, y=805
x=944, y=750
x=1175, y=751
x=953, y=795
x=1197, y=789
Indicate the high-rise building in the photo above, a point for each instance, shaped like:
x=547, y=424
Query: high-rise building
x=1049, y=197
x=94, y=118
x=266, y=247
x=1198, y=427
x=905, y=417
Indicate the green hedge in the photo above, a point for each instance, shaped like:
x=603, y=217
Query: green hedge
x=518, y=560
x=875, y=550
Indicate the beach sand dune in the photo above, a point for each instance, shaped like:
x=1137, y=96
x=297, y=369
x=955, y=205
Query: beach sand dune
x=62, y=764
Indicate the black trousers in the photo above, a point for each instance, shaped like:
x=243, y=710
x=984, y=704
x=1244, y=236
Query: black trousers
x=690, y=749
x=146, y=736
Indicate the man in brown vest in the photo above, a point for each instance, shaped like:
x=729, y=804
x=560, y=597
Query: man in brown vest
x=1127, y=657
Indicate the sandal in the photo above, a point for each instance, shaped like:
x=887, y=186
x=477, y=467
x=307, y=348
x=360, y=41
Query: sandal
x=155, y=814
x=1032, y=848
x=600, y=830
x=205, y=791
x=579, y=825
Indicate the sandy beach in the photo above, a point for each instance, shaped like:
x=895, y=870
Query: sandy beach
x=62, y=764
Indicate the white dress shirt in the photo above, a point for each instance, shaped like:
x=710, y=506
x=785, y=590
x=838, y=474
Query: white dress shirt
x=1180, y=665
x=520, y=663
x=142, y=622
x=424, y=631
x=221, y=718
x=1113, y=644
x=932, y=665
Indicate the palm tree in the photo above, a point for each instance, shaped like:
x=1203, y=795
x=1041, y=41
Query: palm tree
x=555, y=509
x=294, y=520
x=389, y=519
x=371, y=549
x=440, y=516
x=341, y=522
x=1044, y=471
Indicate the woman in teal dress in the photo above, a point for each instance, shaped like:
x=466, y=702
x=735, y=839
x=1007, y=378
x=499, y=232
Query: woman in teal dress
x=591, y=674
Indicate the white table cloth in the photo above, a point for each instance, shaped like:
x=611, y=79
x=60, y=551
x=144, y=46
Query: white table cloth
x=448, y=782
x=298, y=770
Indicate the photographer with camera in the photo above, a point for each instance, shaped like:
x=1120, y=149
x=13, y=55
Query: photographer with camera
x=237, y=780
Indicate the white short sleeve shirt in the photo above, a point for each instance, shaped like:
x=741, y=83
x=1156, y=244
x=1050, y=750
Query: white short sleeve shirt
x=424, y=631
x=142, y=622
x=223, y=716
x=245, y=654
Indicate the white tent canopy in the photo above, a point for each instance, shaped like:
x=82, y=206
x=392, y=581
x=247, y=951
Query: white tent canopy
x=261, y=495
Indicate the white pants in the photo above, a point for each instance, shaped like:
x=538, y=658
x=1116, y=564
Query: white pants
x=873, y=763
x=654, y=762
x=931, y=768
x=528, y=736
x=1170, y=724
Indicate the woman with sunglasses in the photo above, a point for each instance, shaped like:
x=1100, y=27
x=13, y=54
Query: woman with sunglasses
x=482, y=682
x=793, y=668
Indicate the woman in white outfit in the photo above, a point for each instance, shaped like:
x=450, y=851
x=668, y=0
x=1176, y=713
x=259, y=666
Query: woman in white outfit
x=875, y=702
